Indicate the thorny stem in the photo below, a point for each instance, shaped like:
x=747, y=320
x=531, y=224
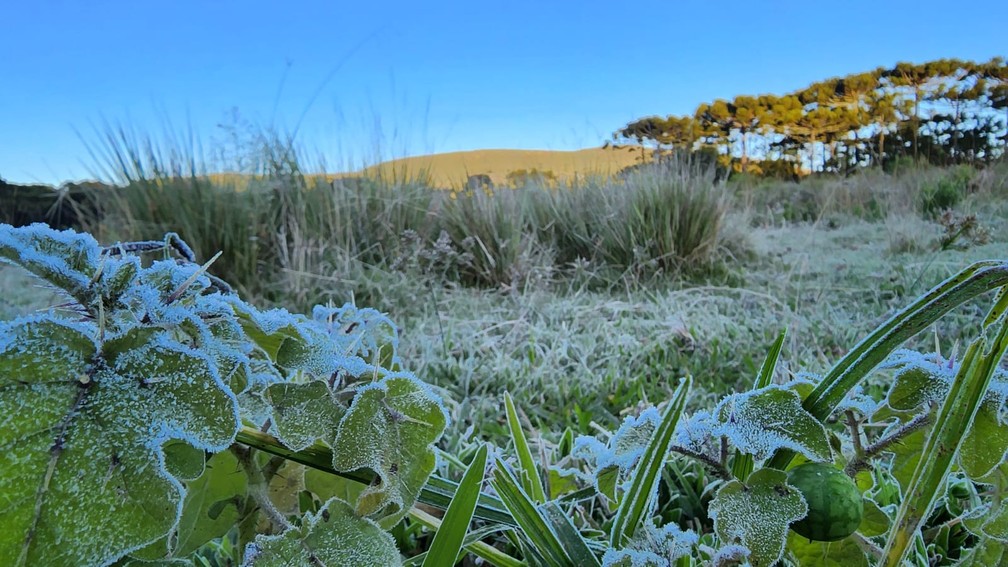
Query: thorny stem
x=860, y=462
x=258, y=484
x=718, y=468
x=724, y=453
x=855, y=432
x=867, y=545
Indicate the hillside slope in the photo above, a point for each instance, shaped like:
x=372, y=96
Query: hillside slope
x=453, y=168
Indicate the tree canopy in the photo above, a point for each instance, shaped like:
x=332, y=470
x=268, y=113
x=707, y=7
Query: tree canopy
x=944, y=111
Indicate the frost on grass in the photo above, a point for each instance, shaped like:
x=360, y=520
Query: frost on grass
x=390, y=429
x=762, y=421
x=615, y=461
x=653, y=547
x=334, y=537
x=83, y=434
x=756, y=515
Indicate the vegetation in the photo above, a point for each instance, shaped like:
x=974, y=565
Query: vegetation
x=944, y=112
x=162, y=373
x=550, y=324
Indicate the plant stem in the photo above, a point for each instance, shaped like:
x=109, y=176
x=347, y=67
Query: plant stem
x=717, y=468
x=860, y=462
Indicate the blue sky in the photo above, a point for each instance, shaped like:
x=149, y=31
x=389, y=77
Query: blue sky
x=376, y=79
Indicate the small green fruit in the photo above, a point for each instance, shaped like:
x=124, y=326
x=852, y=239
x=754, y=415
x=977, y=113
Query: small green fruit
x=834, y=502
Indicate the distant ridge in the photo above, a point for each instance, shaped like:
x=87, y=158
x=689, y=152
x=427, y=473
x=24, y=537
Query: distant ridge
x=451, y=169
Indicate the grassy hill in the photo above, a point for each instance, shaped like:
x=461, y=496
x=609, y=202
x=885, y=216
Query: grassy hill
x=453, y=168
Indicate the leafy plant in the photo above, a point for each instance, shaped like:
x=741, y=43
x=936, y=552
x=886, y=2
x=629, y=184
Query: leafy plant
x=125, y=410
x=158, y=417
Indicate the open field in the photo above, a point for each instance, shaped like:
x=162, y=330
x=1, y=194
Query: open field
x=580, y=341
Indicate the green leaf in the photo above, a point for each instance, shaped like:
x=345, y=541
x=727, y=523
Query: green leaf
x=637, y=499
x=83, y=439
x=907, y=454
x=757, y=514
x=66, y=259
x=995, y=525
x=915, y=385
x=986, y=552
x=843, y=553
x=743, y=464
x=334, y=537
x=444, y=550
x=975, y=280
x=875, y=521
x=986, y=442
x=390, y=428
x=561, y=481
x=954, y=418
x=762, y=421
x=303, y=413
x=182, y=460
x=528, y=472
x=212, y=503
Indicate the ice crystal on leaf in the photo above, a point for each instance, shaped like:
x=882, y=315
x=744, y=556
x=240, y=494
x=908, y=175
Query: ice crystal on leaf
x=390, y=429
x=83, y=433
x=697, y=434
x=304, y=413
x=653, y=547
x=614, y=461
x=333, y=537
x=923, y=380
x=762, y=421
x=756, y=515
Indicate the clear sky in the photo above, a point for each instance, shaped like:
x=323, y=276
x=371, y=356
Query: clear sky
x=376, y=79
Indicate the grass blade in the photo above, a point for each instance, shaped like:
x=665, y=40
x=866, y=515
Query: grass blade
x=975, y=280
x=538, y=534
x=527, y=470
x=743, y=464
x=570, y=538
x=472, y=542
x=447, y=544
x=645, y=478
x=954, y=419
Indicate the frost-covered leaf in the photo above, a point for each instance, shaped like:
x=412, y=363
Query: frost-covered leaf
x=757, y=514
x=269, y=330
x=808, y=553
x=304, y=413
x=361, y=332
x=212, y=503
x=82, y=439
x=653, y=546
x=919, y=379
x=765, y=420
x=623, y=450
x=732, y=555
x=390, y=428
x=996, y=522
x=859, y=402
x=66, y=259
x=334, y=537
x=875, y=520
x=182, y=460
x=697, y=434
x=986, y=442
